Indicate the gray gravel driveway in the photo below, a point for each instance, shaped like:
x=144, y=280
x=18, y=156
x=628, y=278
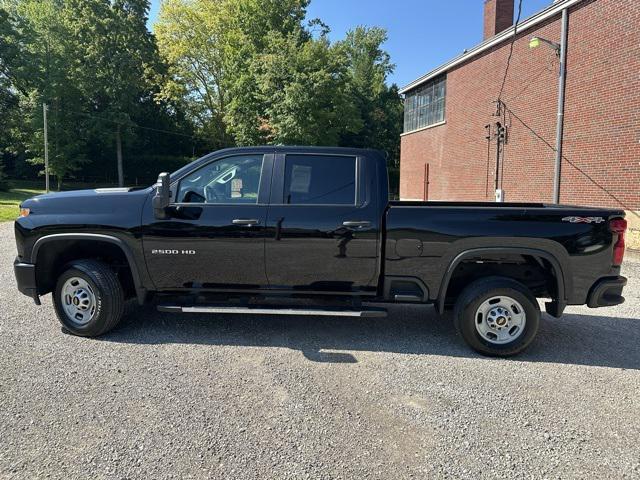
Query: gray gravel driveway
x=190, y=396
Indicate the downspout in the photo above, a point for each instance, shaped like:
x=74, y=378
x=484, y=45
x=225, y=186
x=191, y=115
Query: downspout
x=561, y=97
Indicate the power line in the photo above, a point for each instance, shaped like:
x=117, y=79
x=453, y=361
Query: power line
x=134, y=125
x=580, y=170
x=513, y=40
x=531, y=80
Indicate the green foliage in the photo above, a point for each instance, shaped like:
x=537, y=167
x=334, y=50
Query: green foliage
x=250, y=72
x=10, y=200
x=379, y=105
x=97, y=67
x=188, y=38
x=209, y=48
x=115, y=55
x=39, y=70
x=214, y=74
x=302, y=89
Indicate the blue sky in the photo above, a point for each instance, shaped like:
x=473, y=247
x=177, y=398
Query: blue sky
x=422, y=33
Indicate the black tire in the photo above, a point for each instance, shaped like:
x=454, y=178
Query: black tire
x=478, y=292
x=108, y=294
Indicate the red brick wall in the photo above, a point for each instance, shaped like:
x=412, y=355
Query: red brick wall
x=602, y=117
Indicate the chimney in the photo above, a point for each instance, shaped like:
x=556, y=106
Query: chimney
x=498, y=16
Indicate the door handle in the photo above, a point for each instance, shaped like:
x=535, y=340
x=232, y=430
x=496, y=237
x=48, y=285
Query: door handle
x=248, y=222
x=356, y=224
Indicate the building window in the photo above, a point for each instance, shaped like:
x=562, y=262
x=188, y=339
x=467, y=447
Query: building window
x=424, y=106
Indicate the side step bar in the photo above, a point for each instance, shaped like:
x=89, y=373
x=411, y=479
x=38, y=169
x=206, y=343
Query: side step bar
x=367, y=313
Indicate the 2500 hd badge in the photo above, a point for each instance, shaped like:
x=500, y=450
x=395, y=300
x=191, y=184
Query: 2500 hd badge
x=157, y=251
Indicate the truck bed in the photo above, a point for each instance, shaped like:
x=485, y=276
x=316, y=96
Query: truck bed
x=439, y=203
x=423, y=238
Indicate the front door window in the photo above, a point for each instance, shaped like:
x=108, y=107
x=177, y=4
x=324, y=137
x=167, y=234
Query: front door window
x=231, y=180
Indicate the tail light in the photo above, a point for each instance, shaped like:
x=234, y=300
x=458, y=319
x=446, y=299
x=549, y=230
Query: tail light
x=619, y=227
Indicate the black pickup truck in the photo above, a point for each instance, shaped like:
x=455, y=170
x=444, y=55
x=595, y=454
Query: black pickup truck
x=311, y=231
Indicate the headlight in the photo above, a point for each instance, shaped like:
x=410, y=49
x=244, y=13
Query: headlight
x=24, y=212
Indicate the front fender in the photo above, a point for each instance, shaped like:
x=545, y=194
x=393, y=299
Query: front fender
x=141, y=291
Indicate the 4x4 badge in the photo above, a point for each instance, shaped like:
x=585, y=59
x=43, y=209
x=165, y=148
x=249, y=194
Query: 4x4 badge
x=583, y=219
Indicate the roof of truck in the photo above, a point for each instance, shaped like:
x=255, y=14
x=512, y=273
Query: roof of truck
x=303, y=149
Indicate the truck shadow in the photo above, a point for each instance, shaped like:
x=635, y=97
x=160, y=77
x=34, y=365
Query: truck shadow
x=575, y=339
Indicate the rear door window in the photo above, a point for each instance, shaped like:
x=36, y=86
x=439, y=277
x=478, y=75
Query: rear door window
x=320, y=180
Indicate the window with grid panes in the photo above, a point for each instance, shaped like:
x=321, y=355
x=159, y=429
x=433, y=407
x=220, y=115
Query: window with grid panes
x=424, y=105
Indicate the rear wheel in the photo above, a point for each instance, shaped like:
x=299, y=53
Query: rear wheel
x=497, y=316
x=88, y=298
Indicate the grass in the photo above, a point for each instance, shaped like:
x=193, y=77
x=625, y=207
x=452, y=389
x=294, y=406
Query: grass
x=10, y=200
x=21, y=190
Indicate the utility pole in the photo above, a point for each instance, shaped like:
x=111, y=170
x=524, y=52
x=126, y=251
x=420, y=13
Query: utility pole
x=46, y=147
x=501, y=140
x=119, y=157
x=425, y=193
x=561, y=96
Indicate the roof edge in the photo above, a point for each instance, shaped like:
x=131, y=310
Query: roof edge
x=533, y=20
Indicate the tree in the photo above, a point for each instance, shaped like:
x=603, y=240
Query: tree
x=218, y=73
x=8, y=100
x=38, y=67
x=97, y=67
x=379, y=105
x=188, y=35
x=250, y=72
x=301, y=91
x=116, y=62
x=210, y=47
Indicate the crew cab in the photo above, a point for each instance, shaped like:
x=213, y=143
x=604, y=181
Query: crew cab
x=311, y=231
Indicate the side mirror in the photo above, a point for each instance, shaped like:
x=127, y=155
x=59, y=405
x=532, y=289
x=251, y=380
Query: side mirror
x=163, y=197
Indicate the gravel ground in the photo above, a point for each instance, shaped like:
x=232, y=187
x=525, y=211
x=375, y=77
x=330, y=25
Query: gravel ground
x=189, y=396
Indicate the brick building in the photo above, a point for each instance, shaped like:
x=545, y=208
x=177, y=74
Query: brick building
x=451, y=149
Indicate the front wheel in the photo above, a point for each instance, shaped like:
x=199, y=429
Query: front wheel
x=88, y=298
x=497, y=316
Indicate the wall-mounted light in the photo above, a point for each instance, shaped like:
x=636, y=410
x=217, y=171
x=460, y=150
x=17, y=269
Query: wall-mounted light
x=534, y=42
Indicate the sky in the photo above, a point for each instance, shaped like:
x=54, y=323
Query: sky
x=423, y=34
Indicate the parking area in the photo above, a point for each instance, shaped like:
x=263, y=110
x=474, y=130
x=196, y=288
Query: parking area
x=195, y=396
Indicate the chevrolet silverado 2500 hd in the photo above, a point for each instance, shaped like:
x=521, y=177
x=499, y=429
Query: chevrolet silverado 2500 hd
x=238, y=228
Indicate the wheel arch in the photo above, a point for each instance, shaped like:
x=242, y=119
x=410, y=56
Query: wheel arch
x=97, y=240
x=563, y=280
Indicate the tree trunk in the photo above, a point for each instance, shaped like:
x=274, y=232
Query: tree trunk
x=119, y=155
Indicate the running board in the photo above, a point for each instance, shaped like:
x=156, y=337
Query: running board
x=368, y=313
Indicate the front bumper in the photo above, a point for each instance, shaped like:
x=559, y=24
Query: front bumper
x=26, y=279
x=606, y=292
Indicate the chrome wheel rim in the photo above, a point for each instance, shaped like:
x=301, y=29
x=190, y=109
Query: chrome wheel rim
x=78, y=300
x=500, y=320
